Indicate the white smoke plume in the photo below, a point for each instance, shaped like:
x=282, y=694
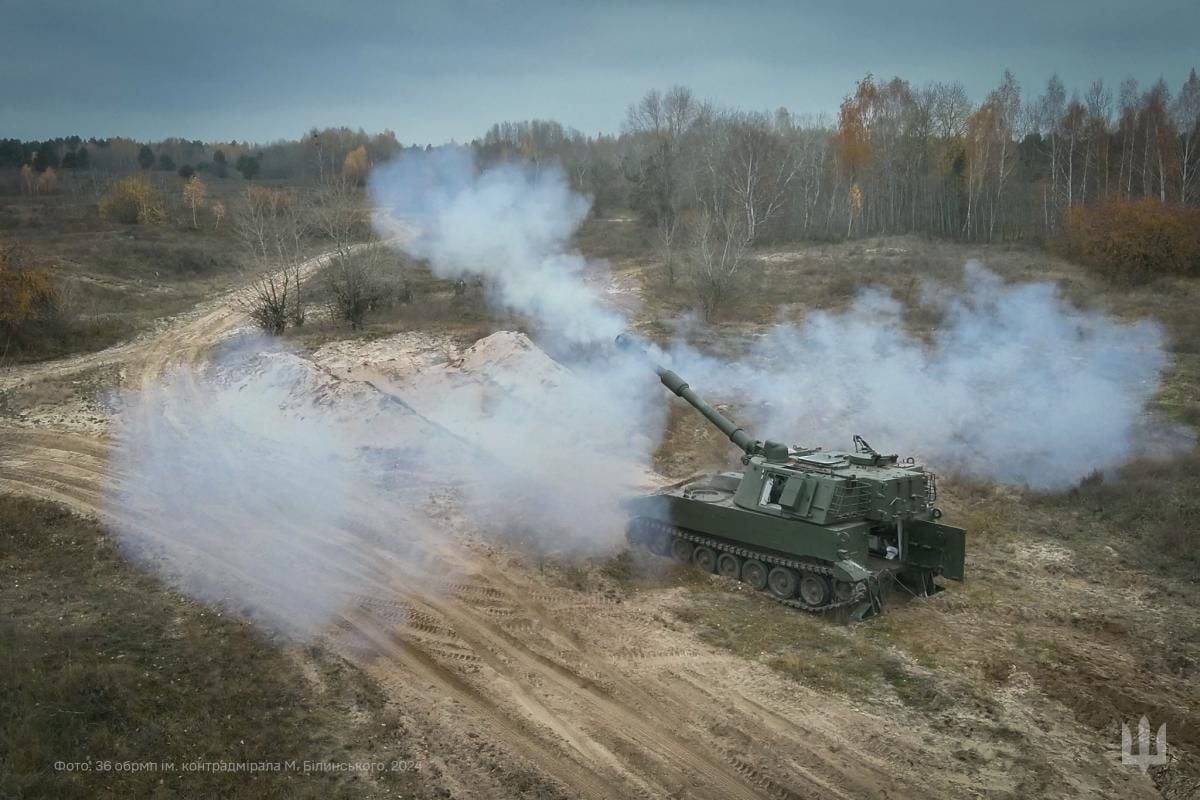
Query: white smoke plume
x=1015, y=385
x=259, y=484
x=507, y=224
x=567, y=448
x=557, y=448
x=233, y=482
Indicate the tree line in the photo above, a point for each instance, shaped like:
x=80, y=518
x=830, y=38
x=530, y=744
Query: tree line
x=897, y=158
x=1099, y=173
x=73, y=161
x=1046, y=166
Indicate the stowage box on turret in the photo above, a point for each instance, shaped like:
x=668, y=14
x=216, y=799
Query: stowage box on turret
x=817, y=529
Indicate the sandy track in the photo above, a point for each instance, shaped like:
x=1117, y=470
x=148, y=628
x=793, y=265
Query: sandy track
x=512, y=680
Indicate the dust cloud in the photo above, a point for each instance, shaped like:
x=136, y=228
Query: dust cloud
x=236, y=502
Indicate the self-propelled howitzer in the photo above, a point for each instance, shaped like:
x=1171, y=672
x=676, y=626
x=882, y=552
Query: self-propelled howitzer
x=817, y=529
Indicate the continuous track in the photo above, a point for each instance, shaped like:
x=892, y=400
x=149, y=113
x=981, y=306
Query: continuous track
x=654, y=533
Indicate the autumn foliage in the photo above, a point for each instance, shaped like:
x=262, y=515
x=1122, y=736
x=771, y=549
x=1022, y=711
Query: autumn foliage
x=27, y=295
x=1135, y=240
x=133, y=200
x=357, y=165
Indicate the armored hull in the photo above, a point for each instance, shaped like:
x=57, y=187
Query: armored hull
x=808, y=538
x=818, y=530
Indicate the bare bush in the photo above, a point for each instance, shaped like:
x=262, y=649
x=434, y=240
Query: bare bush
x=338, y=212
x=268, y=302
x=354, y=283
x=717, y=254
x=273, y=226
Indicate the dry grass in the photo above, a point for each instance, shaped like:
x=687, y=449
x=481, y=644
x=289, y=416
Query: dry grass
x=100, y=663
x=118, y=278
x=1149, y=511
x=410, y=297
x=1089, y=596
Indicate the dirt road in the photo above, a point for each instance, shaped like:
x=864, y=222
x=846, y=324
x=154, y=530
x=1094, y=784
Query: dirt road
x=515, y=686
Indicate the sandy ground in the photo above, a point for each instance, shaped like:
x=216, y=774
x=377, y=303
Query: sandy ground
x=515, y=686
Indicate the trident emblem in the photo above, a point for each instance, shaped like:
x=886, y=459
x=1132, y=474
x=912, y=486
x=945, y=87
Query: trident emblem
x=1142, y=757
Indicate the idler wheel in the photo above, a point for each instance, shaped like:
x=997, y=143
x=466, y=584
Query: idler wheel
x=705, y=559
x=814, y=589
x=729, y=565
x=842, y=591
x=754, y=575
x=783, y=582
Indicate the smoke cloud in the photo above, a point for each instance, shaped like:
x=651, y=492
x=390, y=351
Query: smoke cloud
x=234, y=482
x=508, y=224
x=272, y=485
x=1015, y=385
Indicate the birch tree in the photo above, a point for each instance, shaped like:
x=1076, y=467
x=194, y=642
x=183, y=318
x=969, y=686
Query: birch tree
x=660, y=122
x=1185, y=115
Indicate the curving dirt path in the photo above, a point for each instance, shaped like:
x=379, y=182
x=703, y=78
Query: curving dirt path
x=515, y=683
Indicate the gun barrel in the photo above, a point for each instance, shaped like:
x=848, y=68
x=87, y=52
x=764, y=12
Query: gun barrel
x=680, y=388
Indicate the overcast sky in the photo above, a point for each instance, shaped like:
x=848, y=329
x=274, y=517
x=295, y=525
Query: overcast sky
x=433, y=71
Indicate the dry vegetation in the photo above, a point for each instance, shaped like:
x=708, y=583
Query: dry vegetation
x=100, y=661
x=1083, y=603
x=1087, y=597
x=1080, y=608
x=1135, y=241
x=114, y=279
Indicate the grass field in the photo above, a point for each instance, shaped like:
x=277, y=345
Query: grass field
x=102, y=664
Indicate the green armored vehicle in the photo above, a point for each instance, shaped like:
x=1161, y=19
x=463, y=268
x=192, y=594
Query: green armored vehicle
x=817, y=529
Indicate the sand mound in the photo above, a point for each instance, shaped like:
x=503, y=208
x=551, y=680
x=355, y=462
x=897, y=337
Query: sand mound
x=359, y=414
x=445, y=384
x=497, y=396
x=501, y=405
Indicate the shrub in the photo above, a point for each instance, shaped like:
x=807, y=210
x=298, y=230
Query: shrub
x=353, y=282
x=1151, y=503
x=1135, y=240
x=27, y=296
x=132, y=200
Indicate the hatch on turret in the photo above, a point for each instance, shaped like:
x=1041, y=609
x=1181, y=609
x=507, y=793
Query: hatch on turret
x=826, y=460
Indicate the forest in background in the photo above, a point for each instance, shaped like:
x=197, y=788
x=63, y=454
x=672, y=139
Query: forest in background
x=1107, y=177
x=898, y=158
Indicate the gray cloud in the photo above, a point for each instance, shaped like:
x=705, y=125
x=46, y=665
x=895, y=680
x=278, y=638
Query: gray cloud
x=271, y=68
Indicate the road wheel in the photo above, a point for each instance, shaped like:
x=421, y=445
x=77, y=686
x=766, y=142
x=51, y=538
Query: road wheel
x=729, y=565
x=814, y=589
x=705, y=558
x=754, y=575
x=681, y=550
x=783, y=582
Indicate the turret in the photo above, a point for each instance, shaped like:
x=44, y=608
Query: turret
x=772, y=451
